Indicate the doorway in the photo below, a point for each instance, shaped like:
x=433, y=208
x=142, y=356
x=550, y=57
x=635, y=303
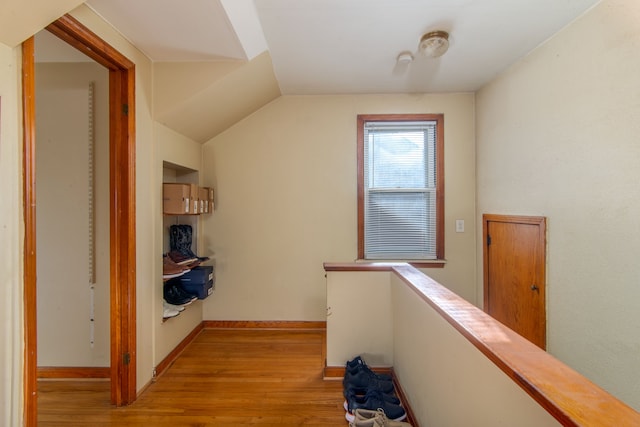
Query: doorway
x=121, y=217
x=514, y=273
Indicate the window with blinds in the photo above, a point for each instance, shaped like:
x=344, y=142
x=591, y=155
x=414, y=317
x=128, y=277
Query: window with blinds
x=400, y=212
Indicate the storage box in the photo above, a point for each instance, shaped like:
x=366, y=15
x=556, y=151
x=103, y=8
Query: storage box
x=195, y=199
x=204, y=200
x=208, y=205
x=199, y=281
x=179, y=198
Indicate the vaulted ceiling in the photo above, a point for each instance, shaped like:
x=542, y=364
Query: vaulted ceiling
x=346, y=46
x=216, y=61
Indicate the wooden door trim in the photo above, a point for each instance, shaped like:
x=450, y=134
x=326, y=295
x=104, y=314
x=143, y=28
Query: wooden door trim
x=30, y=361
x=122, y=212
x=80, y=37
x=541, y=222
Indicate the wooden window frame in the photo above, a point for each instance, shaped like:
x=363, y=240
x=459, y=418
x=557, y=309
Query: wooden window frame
x=439, y=119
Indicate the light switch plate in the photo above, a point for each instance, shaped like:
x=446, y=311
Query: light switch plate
x=459, y=225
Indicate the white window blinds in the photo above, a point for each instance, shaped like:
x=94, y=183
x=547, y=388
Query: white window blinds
x=400, y=190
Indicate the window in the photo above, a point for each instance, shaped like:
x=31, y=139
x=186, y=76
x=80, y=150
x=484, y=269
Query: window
x=401, y=187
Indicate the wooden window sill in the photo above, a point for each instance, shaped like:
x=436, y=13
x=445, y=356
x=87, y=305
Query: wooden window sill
x=368, y=265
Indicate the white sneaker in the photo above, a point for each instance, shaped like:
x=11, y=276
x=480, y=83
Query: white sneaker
x=168, y=311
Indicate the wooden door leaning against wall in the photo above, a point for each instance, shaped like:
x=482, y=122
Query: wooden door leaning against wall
x=514, y=273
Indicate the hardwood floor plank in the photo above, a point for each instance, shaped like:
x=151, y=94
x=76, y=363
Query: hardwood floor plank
x=223, y=378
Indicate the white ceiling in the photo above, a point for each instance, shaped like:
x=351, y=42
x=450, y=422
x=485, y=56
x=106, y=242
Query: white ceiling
x=346, y=46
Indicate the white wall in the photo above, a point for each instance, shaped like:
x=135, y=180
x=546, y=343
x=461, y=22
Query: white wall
x=11, y=236
x=20, y=20
x=557, y=136
x=285, y=190
x=359, y=318
x=73, y=312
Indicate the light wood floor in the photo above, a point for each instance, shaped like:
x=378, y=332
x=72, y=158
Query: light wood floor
x=223, y=378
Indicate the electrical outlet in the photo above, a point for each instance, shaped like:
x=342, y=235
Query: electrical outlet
x=459, y=225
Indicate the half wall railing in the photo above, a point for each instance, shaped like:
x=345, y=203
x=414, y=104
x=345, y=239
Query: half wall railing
x=456, y=365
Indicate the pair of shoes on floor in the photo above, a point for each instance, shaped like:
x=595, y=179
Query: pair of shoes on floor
x=174, y=293
x=367, y=390
x=374, y=418
x=170, y=310
x=171, y=269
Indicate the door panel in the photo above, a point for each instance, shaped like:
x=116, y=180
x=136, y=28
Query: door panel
x=514, y=289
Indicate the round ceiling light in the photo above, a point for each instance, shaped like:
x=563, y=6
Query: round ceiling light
x=435, y=43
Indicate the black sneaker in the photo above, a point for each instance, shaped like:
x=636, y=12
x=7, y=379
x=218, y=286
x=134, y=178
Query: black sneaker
x=367, y=380
x=360, y=396
x=173, y=295
x=373, y=402
x=350, y=390
x=354, y=362
x=180, y=290
x=358, y=364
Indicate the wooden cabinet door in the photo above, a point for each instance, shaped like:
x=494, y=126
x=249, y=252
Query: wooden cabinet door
x=514, y=274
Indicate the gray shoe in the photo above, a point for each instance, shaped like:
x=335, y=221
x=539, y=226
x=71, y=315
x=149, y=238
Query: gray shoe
x=167, y=312
x=370, y=418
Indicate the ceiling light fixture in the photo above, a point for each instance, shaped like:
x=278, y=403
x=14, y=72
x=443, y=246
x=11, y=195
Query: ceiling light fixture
x=435, y=43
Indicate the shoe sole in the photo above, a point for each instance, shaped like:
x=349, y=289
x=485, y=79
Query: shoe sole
x=345, y=405
x=351, y=417
x=173, y=275
x=171, y=315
